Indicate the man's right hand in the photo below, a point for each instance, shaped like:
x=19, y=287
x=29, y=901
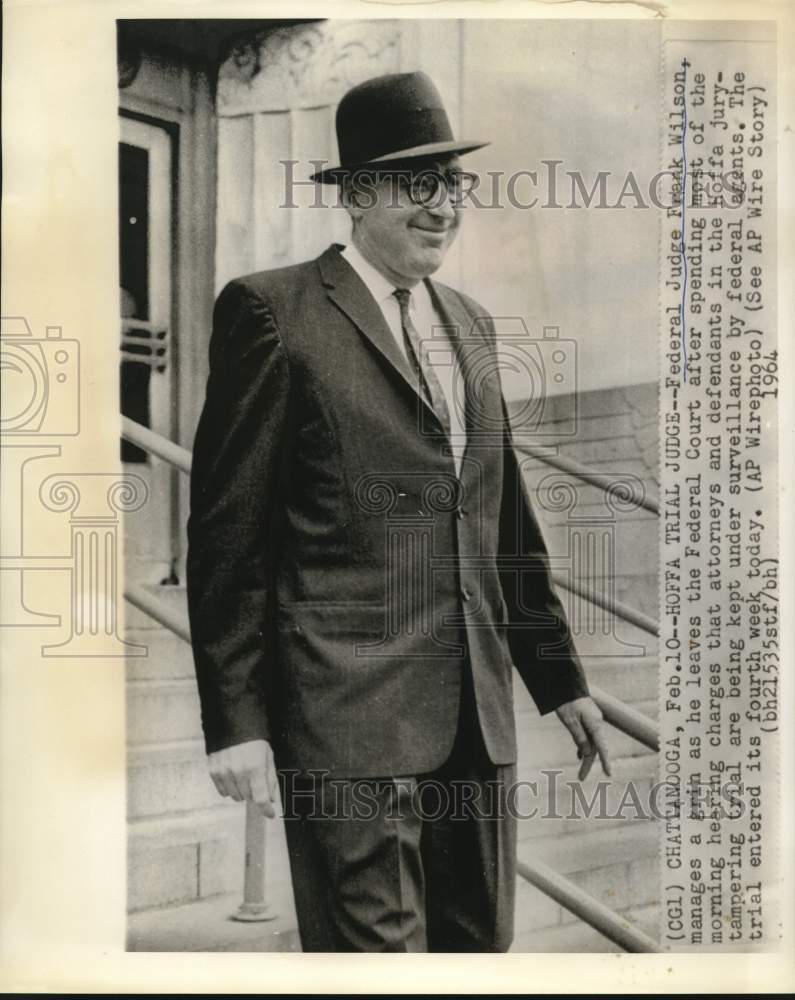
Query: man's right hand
x=246, y=771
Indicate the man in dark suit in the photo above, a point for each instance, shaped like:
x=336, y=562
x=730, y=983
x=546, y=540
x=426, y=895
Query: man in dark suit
x=364, y=564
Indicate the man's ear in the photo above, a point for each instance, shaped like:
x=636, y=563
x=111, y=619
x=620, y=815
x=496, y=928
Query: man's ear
x=360, y=193
x=350, y=198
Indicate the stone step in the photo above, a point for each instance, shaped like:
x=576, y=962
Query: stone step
x=635, y=550
x=616, y=447
x=548, y=743
x=593, y=428
x=169, y=657
x=618, y=866
x=178, y=859
x=650, y=708
x=175, y=596
x=207, y=925
x=595, y=630
x=622, y=873
x=182, y=827
x=590, y=499
x=197, y=854
x=162, y=710
x=638, y=401
x=577, y=807
x=578, y=937
x=168, y=778
x=595, y=848
x=631, y=464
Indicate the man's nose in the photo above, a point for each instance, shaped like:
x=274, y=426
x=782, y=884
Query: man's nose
x=441, y=205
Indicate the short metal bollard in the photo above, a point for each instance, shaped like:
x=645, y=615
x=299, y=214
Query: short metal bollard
x=254, y=907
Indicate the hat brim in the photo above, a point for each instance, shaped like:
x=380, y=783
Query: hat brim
x=333, y=175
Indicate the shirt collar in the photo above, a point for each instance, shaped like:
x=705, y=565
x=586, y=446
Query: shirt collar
x=379, y=287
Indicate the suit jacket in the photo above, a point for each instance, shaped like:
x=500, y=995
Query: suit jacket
x=339, y=571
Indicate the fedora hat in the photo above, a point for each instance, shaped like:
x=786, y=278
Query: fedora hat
x=390, y=119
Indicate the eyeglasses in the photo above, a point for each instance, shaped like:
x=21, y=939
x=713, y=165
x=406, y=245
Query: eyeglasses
x=428, y=188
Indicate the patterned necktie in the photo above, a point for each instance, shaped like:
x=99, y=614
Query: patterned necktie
x=429, y=384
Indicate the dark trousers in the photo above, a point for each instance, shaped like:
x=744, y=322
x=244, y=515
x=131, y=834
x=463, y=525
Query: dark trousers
x=417, y=863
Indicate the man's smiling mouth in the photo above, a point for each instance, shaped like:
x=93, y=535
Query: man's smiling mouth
x=433, y=233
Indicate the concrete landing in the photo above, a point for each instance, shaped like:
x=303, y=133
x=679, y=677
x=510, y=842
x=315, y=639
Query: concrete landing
x=207, y=925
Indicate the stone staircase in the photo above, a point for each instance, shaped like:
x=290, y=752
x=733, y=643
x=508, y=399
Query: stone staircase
x=615, y=860
x=185, y=844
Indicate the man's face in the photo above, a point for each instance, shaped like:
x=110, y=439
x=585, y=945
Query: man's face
x=406, y=241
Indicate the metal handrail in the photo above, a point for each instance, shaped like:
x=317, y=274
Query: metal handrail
x=577, y=901
x=158, y=445
x=602, y=480
x=556, y=886
x=614, y=606
x=626, y=719
x=157, y=609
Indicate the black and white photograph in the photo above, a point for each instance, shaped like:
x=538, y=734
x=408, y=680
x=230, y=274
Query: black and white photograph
x=421, y=590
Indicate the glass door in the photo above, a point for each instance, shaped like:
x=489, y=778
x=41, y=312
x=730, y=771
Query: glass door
x=146, y=364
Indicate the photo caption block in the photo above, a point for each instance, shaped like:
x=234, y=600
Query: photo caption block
x=719, y=639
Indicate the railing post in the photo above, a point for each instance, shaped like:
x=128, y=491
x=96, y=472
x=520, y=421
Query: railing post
x=254, y=906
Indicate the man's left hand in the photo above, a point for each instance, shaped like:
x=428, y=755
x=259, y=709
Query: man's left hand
x=584, y=721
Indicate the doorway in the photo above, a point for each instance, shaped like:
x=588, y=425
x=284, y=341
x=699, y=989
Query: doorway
x=146, y=369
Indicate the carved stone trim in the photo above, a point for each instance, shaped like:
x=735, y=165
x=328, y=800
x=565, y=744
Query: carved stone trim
x=306, y=65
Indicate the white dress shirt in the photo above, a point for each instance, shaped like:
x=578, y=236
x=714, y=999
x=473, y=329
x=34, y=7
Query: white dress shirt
x=425, y=317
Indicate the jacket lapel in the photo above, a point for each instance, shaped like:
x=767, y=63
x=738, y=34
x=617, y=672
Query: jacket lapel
x=350, y=294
